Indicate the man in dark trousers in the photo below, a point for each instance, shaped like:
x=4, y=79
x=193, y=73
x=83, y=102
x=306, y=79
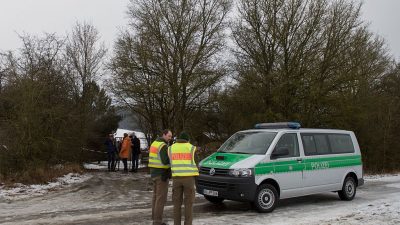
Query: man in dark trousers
x=184, y=171
x=160, y=171
x=135, y=152
x=111, y=151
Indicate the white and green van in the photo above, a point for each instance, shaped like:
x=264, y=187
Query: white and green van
x=281, y=160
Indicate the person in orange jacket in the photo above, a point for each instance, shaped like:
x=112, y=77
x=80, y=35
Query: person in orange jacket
x=125, y=151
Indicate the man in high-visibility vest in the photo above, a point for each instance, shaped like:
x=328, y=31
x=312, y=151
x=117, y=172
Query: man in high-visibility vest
x=184, y=170
x=160, y=171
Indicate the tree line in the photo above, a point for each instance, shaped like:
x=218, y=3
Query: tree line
x=209, y=67
x=51, y=105
x=213, y=67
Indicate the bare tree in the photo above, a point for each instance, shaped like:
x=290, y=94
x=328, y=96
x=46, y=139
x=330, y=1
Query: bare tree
x=85, y=54
x=167, y=60
x=2, y=71
x=314, y=61
x=84, y=57
x=298, y=55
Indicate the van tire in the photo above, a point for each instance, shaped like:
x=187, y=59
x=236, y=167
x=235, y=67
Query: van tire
x=213, y=199
x=266, y=198
x=349, y=189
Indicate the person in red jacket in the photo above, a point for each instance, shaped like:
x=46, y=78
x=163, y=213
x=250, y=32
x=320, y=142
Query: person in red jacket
x=125, y=151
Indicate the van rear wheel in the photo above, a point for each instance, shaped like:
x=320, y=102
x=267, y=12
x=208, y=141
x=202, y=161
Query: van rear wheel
x=213, y=199
x=266, y=198
x=349, y=189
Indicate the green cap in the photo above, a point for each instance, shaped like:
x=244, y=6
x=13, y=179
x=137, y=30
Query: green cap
x=184, y=135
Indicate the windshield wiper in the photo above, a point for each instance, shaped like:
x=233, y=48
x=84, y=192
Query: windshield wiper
x=240, y=152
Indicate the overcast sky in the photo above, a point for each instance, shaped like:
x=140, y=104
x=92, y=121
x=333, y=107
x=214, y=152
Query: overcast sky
x=108, y=16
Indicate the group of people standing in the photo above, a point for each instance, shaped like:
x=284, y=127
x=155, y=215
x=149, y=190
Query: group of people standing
x=122, y=150
x=177, y=162
x=166, y=161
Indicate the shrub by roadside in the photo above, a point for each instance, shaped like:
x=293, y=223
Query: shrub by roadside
x=41, y=175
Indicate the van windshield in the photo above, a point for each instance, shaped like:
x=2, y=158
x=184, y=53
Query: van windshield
x=248, y=143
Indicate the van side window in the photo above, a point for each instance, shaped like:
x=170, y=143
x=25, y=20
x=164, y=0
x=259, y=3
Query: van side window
x=309, y=144
x=315, y=144
x=289, y=141
x=322, y=144
x=341, y=143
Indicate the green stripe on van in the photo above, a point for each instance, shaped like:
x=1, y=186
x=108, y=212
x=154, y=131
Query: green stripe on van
x=317, y=163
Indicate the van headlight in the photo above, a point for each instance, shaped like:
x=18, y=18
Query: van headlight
x=240, y=172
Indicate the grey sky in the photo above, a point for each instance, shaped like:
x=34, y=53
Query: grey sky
x=38, y=16
x=59, y=16
x=383, y=15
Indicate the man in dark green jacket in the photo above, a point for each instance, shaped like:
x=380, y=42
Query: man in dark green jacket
x=160, y=171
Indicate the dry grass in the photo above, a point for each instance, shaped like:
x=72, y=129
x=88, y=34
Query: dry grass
x=40, y=175
x=369, y=171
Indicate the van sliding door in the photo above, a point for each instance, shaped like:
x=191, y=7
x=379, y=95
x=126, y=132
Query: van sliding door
x=288, y=169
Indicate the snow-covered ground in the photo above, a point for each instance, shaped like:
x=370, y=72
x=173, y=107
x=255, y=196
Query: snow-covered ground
x=379, y=206
x=118, y=198
x=21, y=191
x=385, y=210
x=379, y=212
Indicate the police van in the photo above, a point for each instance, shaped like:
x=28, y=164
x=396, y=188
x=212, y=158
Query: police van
x=276, y=161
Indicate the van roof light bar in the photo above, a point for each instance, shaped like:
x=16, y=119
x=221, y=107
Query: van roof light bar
x=282, y=125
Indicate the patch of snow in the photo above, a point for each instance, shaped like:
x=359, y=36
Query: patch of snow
x=103, y=165
x=383, y=177
x=396, y=185
x=385, y=211
x=21, y=191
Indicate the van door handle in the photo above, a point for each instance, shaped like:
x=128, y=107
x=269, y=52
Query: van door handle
x=299, y=160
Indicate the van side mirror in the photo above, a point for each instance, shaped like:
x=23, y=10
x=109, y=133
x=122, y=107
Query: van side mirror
x=278, y=152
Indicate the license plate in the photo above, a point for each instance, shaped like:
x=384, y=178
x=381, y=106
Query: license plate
x=210, y=192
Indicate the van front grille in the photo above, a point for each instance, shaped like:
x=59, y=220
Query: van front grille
x=218, y=172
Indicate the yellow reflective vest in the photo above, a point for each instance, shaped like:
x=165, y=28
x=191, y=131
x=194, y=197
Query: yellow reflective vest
x=154, y=155
x=181, y=158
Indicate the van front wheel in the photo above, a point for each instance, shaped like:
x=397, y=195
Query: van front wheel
x=266, y=198
x=348, y=190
